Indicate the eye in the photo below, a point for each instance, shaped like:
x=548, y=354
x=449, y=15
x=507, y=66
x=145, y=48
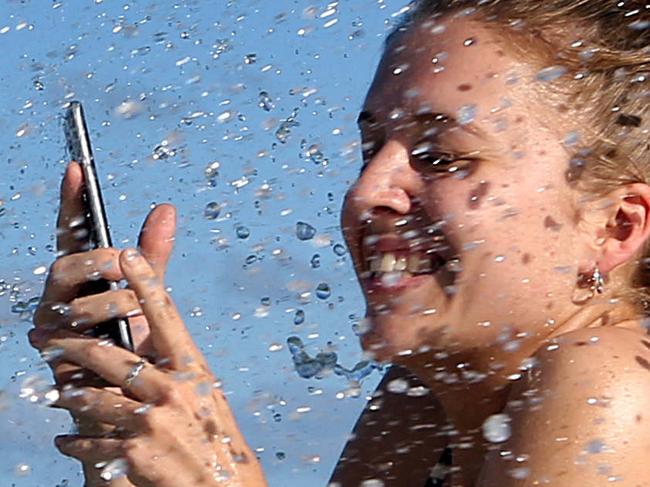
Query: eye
x=428, y=159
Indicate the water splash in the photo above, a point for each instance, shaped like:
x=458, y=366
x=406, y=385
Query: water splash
x=283, y=131
x=37, y=390
x=324, y=362
x=114, y=469
x=26, y=308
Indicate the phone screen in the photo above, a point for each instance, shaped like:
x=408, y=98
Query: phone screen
x=97, y=234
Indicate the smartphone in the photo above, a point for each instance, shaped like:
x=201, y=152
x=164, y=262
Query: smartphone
x=96, y=224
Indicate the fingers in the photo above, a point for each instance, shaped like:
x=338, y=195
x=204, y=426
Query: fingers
x=103, y=406
x=169, y=335
x=156, y=240
x=91, y=450
x=67, y=274
x=110, y=362
x=71, y=236
x=87, y=311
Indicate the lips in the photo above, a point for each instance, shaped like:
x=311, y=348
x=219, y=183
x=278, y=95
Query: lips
x=393, y=262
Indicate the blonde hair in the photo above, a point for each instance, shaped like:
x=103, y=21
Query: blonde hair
x=600, y=50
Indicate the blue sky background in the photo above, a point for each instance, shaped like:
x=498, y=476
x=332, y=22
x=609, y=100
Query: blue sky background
x=188, y=75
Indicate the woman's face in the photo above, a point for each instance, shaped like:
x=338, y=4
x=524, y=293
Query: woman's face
x=480, y=187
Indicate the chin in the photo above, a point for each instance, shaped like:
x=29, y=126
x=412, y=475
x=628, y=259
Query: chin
x=387, y=339
x=390, y=337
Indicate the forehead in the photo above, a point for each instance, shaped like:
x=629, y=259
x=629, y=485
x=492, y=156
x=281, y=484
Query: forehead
x=453, y=66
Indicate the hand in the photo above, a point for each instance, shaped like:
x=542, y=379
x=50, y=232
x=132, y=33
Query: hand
x=175, y=427
x=60, y=309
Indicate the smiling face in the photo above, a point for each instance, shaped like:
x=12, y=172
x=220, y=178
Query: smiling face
x=461, y=224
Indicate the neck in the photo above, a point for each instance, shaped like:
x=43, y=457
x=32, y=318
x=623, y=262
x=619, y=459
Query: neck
x=473, y=384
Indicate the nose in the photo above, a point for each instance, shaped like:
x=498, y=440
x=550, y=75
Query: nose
x=388, y=182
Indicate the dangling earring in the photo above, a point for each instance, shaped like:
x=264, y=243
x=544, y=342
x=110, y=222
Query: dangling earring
x=588, y=286
x=597, y=281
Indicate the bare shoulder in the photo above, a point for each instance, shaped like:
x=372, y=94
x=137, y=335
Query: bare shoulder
x=582, y=417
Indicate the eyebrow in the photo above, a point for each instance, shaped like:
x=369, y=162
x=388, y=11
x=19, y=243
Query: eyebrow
x=435, y=117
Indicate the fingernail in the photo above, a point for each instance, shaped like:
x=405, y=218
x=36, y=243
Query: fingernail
x=60, y=440
x=132, y=255
x=134, y=312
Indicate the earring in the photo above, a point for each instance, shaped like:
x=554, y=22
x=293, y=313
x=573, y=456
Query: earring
x=588, y=286
x=597, y=281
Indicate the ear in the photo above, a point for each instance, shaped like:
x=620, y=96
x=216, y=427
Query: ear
x=627, y=228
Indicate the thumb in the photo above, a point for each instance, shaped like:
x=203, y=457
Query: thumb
x=156, y=239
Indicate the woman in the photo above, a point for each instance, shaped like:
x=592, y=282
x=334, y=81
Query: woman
x=499, y=231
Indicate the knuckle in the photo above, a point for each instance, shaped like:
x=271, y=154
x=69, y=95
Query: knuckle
x=132, y=298
x=153, y=419
x=131, y=449
x=94, y=352
x=174, y=396
x=58, y=269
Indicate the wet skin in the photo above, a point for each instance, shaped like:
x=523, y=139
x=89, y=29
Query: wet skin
x=522, y=234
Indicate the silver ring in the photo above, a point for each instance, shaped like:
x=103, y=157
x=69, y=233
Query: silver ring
x=134, y=372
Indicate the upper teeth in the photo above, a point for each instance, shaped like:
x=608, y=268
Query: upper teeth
x=390, y=261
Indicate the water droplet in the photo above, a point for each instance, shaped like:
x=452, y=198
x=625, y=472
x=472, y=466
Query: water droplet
x=519, y=472
x=114, y=469
x=400, y=69
x=212, y=210
x=299, y=317
x=304, y=231
x=243, y=232
x=52, y=353
x=129, y=109
x=40, y=270
x=496, y=428
x=224, y=116
x=38, y=85
x=397, y=386
x=595, y=446
x=372, y=483
x=323, y=290
x=22, y=469
x=163, y=151
x=211, y=172
x=316, y=156
x=639, y=24
x=339, y=249
x=280, y=455
x=265, y=102
x=466, y=114
x=37, y=390
x=220, y=47
x=362, y=326
x=315, y=261
x=23, y=130
x=550, y=73
x=468, y=42
x=454, y=265
x=283, y=131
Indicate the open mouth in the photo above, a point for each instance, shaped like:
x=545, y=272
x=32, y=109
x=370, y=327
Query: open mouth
x=390, y=262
